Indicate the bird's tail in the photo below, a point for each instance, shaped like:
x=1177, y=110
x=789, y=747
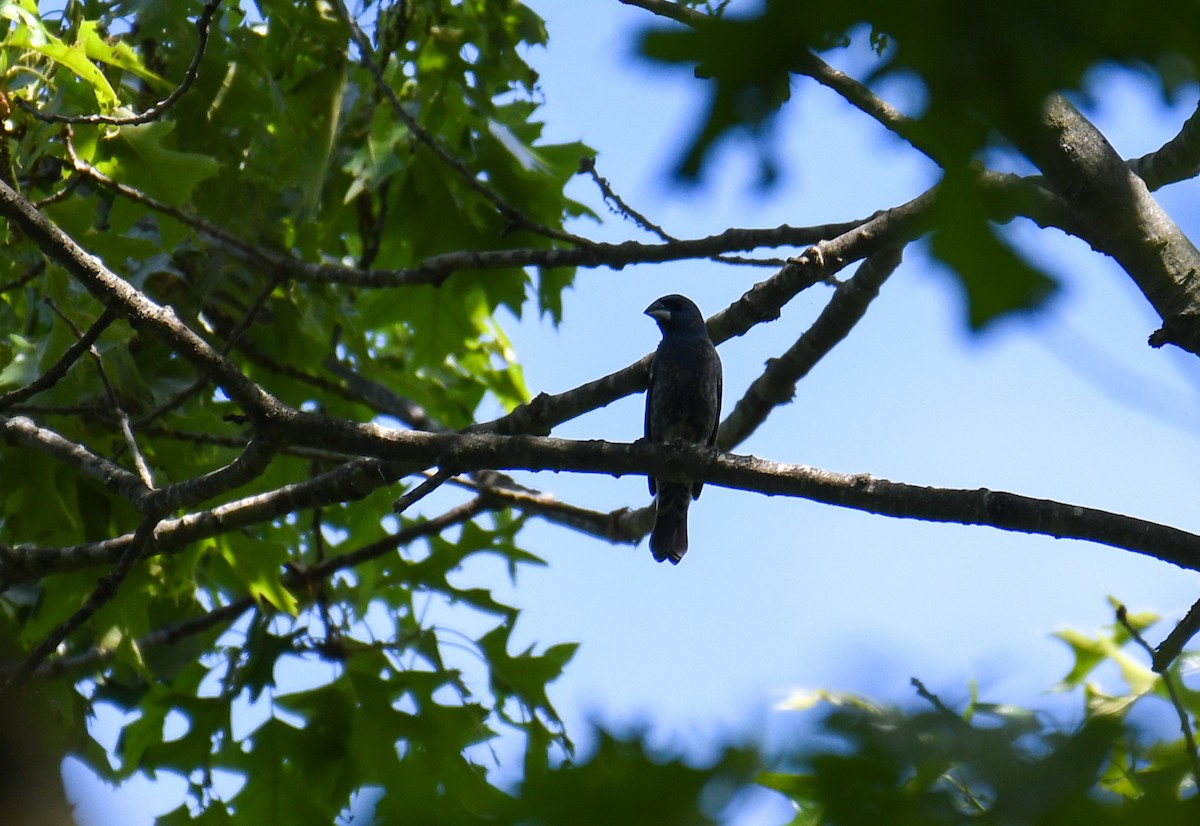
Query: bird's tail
x=669, y=539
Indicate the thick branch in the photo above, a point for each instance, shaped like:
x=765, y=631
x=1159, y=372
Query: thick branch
x=971, y=507
x=1119, y=216
x=474, y=451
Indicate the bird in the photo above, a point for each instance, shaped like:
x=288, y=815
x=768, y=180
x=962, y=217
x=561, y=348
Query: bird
x=683, y=404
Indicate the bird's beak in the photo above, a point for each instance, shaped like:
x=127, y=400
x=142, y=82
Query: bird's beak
x=658, y=312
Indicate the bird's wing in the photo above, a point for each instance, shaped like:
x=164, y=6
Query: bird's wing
x=649, y=435
x=712, y=439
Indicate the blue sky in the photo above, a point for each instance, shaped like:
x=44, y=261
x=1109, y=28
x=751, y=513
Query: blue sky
x=780, y=594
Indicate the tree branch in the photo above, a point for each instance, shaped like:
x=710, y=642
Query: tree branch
x=435, y=269
x=111, y=289
x=618, y=204
x=350, y=481
x=672, y=11
x=59, y=369
x=295, y=580
x=127, y=485
x=777, y=384
x=970, y=507
x=1176, y=160
x=1185, y=722
x=473, y=451
x=140, y=465
x=862, y=98
x=1118, y=216
x=763, y=302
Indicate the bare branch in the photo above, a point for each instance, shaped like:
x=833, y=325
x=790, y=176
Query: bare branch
x=412, y=497
x=23, y=430
x=777, y=384
x=672, y=11
x=1180, y=635
x=437, y=268
x=24, y=278
x=588, y=165
x=454, y=516
x=472, y=451
x=248, y=465
x=232, y=338
x=123, y=423
x=862, y=98
x=382, y=399
x=228, y=241
x=1119, y=216
x=971, y=507
x=348, y=482
x=761, y=303
x=1176, y=160
x=169, y=635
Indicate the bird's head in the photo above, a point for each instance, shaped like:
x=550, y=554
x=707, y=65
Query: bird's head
x=675, y=312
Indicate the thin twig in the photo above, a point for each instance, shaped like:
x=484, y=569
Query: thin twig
x=114, y=400
x=588, y=165
x=231, y=340
x=59, y=369
x=1180, y=635
x=672, y=11
x=32, y=272
x=935, y=701
x=1185, y=723
x=422, y=490
x=862, y=98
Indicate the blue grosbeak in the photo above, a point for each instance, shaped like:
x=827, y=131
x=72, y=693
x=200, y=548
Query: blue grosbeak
x=683, y=404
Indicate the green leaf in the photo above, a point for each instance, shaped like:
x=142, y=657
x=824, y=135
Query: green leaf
x=140, y=156
x=31, y=34
x=259, y=566
x=995, y=281
x=119, y=54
